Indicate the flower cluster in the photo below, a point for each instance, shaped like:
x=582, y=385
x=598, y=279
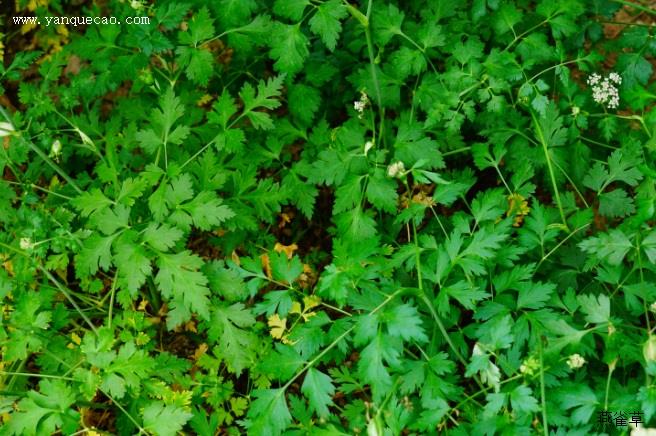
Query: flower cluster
x=575, y=361
x=361, y=105
x=604, y=89
x=26, y=244
x=396, y=169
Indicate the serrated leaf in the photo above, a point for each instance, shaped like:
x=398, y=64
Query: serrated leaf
x=237, y=344
x=95, y=253
x=326, y=22
x=319, y=390
x=289, y=47
x=597, y=309
x=179, y=280
x=533, y=295
x=161, y=237
x=268, y=413
x=165, y=419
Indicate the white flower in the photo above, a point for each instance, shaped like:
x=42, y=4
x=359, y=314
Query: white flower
x=575, y=361
x=652, y=307
x=55, y=149
x=360, y=105
x=6, y=129
x=368, y=146
x=604, y=90
x=396, y=169
x=26, y=244
x=615, y=78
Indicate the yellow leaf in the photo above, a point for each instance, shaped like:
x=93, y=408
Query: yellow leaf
x=206, y=98
x=278, y=326
x=142, y=305
x=202, y=348
x=311, y=301
x=75, y=338
x=287, y=249
x=518, y=208
x=266, y=265
x=296, y=308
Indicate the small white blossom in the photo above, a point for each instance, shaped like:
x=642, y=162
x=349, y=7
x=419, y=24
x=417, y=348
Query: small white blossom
x=26, y=244
x=6, y=129
x=604, y=90
x=575, y=361
x=55, y=149
x=652, y=307
x=360, y=105
x=614, y=77
x=368, y=146
x=395, y=169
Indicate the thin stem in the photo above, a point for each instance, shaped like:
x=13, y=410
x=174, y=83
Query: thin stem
x=54, y=166
x=636, y=6
x=67, y=294
x=545, y=422
x=559, y=244
x=29, y=374
x=543, y=141
x=111, y=299
x=608, y=378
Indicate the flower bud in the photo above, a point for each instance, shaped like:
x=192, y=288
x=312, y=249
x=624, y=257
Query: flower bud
x=649, y=349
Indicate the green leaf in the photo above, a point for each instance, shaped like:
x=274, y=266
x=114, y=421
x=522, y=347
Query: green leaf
x=283, y=363
x=165, y=419
x=207, y=210
x=91, y=201
x=127, y=370
x=319, y=390
x=268, y=414
x=283, y=269
x=161, y=237
x=381, y=191
x=45, y=412
x=580, y=398
x=199, y=66
x=225, y=281
x=597, y=309
x=180, y=281
x=611, y=247
x=648, y=244
x=387, y=23
x=229, y=327
x=522, y=400
x=201, y=27
x=405, y=322
x=132, y=261
x=371, y=367
x=534, y=295
x=326, y=22
x=289, y=47
x=95, y=253
x=292, y=9
x=265, y=98
x=616, y=204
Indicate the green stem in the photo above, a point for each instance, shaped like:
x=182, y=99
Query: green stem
x=545, y=422
x=53, y=165
x=543, y=141
x=637, y=6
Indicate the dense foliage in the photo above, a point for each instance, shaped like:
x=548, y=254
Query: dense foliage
x=321, y=217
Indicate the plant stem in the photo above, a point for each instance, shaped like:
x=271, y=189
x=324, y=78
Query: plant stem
x=545, y=422
x=543, y=141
